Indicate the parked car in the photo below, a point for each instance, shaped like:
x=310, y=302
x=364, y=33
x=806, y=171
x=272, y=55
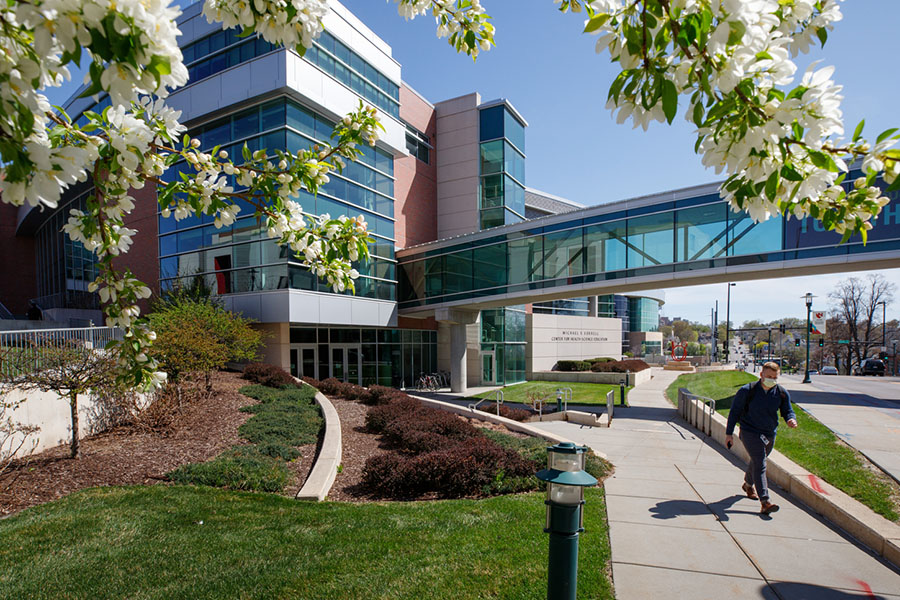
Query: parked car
x=829, y=371
x=871, y=366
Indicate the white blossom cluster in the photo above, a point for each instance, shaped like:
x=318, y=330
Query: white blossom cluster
x=290, y=23
x=454, y=21
x=39, y=38
x=735, y=71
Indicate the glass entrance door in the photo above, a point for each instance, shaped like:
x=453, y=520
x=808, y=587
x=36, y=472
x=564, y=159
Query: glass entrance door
x=346, y=363
x=488, y=369
x=303, y=362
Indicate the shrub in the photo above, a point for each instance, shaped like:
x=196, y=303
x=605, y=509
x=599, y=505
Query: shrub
x=330, y=386
x=620, y=366
x=572, y=365
x=602, y=359
x=241, y=468
x=290, y=420
x=379, y=416
x=379, y=394
x=268, y=375
x=516, y=414
x=200, y=336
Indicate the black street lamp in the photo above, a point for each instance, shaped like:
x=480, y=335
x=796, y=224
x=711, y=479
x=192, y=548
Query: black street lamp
x=728, y=320
x=809, y=298
x=883, y=324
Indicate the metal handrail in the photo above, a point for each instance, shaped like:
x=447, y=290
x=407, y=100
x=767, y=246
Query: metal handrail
x=497, y=397
x=34, y=340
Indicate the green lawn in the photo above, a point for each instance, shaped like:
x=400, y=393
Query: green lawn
x=812, y=445
x=198, y=542
x=582, y=393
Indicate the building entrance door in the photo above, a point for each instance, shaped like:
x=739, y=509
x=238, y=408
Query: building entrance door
x=346, y=363
x=488, y=369
x=303, y=361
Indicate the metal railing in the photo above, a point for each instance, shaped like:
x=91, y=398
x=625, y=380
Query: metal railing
x=30, y=342
x=497, y=397
x=696, y=410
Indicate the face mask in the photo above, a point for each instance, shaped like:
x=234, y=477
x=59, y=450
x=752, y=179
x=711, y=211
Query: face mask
x=768, y=382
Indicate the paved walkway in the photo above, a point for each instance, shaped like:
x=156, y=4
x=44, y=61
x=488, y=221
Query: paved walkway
x=853, y=410
x=680, y=527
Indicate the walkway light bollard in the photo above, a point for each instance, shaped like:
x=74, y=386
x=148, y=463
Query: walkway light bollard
x=566, y=480
x=622, y=392
x=559, y=399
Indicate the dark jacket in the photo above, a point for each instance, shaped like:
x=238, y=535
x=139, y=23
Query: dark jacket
x=761, y=414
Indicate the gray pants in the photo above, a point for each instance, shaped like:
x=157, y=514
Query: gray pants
x=758, y=447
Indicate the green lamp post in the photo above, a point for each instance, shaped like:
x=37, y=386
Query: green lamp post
x=566, y=480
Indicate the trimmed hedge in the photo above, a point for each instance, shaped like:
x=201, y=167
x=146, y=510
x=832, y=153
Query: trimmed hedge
x=572, y=365
x=516, y=414
x=631, y=365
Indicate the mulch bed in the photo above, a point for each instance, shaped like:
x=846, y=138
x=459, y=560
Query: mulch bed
x=125, y=456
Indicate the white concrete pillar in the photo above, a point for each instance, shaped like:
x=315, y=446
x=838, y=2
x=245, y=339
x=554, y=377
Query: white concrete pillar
x=458, y=371
x=457, y=319
x=592, y=306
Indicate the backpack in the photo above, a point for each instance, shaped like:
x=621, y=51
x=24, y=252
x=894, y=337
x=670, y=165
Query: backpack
x=752, y=390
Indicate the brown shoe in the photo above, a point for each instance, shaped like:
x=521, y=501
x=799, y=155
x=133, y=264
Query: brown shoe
x=768, y=508
x=751, y=493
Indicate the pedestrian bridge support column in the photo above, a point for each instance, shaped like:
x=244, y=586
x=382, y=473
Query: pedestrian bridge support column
x=457, y=319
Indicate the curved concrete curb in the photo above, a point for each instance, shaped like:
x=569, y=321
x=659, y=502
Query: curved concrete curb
x=857, y=519
x=325, y=469
x=509, y=423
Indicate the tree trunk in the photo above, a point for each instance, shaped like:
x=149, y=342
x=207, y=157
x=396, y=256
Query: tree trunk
x=73, y=405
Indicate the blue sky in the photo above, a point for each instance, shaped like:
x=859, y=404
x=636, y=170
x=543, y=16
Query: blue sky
x=548, y=69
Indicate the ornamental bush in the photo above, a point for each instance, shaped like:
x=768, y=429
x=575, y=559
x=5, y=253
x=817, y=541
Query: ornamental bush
x=632, y=365
x=572, y=365
x=516, y=414
x=268, y=375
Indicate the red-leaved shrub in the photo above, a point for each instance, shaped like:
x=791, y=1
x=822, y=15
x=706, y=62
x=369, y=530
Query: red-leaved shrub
x=631, y=365
x=268, y=375
x=516, y=414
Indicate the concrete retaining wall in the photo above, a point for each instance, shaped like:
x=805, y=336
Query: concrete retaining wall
x=328, y=459
x=633, y=379
x=51, y=413
x=871, y=529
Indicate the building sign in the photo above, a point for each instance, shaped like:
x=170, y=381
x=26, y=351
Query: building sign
x=579, y=335
x=818, y=323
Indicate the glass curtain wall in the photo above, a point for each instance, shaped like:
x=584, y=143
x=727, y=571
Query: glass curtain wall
x=390, y=357
x=502, y=189
x=240, y=257
x=503, y=333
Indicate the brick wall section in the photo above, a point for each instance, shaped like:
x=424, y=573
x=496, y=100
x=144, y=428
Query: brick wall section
x=18, y=279
x=415, y=185
x=143, y=256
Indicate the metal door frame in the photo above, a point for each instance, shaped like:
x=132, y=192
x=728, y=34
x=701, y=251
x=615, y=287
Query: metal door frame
x=300, y=348
x=493, y=355
x=344, y=348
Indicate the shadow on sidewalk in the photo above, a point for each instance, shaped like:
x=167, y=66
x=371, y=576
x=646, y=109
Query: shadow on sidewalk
x=672, y=509
x=806, y=591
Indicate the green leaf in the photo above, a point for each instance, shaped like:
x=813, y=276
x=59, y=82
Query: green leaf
x=698, y=114
x=885, y=135
x=596, y=22
x=859, y=129
x=822, y=34
x=790, y=173
x=772, y=185
x=823, y=161
x=894, y=186
x=670, y=100
x=736, y=33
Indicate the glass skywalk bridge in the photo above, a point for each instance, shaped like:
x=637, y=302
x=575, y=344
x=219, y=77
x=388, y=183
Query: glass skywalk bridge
x=673, y=239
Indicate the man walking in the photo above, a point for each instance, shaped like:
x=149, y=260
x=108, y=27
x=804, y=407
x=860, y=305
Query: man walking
x=756, y=407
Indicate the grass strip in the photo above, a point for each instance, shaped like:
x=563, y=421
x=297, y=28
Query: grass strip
x=283, y=419
x=582, y=393
x=204, y=543
x=811, y=445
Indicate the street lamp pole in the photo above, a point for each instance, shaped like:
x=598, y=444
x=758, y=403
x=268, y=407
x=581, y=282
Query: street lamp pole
x=728, y=321
x=883, y=325
x=809, y=299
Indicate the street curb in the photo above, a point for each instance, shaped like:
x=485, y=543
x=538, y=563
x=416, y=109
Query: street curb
x=869, y=528
x=327, y=461
x=509, y=423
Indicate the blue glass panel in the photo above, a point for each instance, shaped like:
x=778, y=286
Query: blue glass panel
x=272, y=115
x=700, y=232
x=491, y=157
x=246, y=123
x=650, y=240
x=491, y=123
x=384, y=162
x=301, y=119
x=747, y=237
x=166, y=225
x=513, y=130
x=605, y=248
x=563, y=254
x=525, y=259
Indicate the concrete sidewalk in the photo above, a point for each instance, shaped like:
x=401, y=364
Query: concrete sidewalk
x=680, y=527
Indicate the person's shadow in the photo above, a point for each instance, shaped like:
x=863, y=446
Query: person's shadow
x=807, y=591
x=672, y=509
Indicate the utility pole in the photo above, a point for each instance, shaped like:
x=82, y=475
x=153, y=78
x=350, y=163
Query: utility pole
x=728, y=320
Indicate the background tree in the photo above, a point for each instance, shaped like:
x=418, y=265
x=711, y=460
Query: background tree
x=684, y=331
x=856, y=303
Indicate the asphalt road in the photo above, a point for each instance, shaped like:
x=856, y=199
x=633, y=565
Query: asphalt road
x=862, y=411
